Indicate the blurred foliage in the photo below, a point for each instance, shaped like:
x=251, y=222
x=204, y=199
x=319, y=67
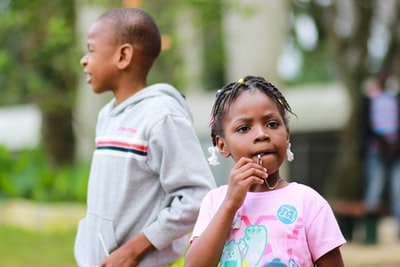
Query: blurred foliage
x=207, y=18
x=28, y=174
x=38, y=63
x=346, y=47
x=38, y=52
x=316, y=63
x=317, y=67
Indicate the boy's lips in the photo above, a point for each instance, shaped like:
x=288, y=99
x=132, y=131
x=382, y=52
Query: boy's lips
x=88, y=77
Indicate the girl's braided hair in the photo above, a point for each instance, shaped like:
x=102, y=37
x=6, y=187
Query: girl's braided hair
x=231, y=91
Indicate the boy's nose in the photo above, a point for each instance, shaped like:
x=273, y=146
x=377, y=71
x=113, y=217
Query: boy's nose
x=83, y=61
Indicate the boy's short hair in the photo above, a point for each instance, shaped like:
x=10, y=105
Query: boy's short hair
x=136, y=27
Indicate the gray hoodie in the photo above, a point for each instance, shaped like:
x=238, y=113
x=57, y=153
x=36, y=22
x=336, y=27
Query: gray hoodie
x=148, y=174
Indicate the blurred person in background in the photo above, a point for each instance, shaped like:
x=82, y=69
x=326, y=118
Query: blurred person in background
x=380, y=144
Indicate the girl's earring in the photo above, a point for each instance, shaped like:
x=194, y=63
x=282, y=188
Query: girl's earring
x=213, y=160
x=289, y=153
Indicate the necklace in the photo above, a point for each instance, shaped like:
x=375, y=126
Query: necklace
x=274, y=186
x=259, y=162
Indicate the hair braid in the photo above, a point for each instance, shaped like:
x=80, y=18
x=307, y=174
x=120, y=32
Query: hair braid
x=231, y=91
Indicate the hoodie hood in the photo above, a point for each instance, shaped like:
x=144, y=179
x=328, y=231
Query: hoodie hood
x=155, y=90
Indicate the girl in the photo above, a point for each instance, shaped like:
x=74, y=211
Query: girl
x=260, y=219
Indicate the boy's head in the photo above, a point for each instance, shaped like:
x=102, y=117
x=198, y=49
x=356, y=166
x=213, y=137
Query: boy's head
x=123, y=42
x=136, y=27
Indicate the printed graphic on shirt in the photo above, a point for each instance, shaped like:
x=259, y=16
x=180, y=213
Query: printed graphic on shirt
x=287, y=214
x=251, y=245
x=278, y=263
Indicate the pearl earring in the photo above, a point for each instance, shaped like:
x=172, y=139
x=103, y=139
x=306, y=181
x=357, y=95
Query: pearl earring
x=213, y=160
x=289, y=153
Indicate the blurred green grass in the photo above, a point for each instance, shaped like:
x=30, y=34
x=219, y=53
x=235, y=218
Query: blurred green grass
x=21, y=248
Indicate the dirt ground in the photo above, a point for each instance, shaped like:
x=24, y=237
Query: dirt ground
x=386, y=253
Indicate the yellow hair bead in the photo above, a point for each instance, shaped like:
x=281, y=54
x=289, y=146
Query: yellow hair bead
x=240, y=81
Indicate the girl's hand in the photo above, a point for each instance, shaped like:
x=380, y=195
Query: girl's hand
x=245, y=173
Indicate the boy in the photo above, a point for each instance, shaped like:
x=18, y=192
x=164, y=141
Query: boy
x=148, y=174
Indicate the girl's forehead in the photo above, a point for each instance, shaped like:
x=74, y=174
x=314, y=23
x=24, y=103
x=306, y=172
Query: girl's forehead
x=253, y=96
x=252, y=101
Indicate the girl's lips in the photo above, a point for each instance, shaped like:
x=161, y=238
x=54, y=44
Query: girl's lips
x=259, y=155
x=259, y=159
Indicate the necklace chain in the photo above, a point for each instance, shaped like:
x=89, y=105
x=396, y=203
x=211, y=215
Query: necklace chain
x=274, y=186
x=259, y=162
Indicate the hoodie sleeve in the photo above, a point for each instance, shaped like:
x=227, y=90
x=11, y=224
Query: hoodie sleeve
x=184, y=175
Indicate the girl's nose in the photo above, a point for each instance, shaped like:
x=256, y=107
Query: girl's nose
x=261, y=134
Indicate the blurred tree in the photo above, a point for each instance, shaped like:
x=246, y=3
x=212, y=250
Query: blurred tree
x=362, y=38
x=38, y=63
x=208, y=20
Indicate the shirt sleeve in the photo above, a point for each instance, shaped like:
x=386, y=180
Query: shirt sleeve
x=203, y=219
x=209, y=206
x=184, y=175
x=323, y=232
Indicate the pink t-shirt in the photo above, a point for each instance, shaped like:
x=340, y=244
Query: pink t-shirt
x=292, y=226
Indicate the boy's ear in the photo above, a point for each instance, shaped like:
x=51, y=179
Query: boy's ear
x=222, y=147
x=125, y=55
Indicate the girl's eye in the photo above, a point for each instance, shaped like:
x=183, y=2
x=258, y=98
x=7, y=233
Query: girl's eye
x=272, y=124
x=243, y=129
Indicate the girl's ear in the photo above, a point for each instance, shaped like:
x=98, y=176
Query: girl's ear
x=222, y=146
x=288, y=134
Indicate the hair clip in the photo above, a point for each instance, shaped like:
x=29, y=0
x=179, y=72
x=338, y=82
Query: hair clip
x=213, y=160
x=213, y=120
x=218, y=93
